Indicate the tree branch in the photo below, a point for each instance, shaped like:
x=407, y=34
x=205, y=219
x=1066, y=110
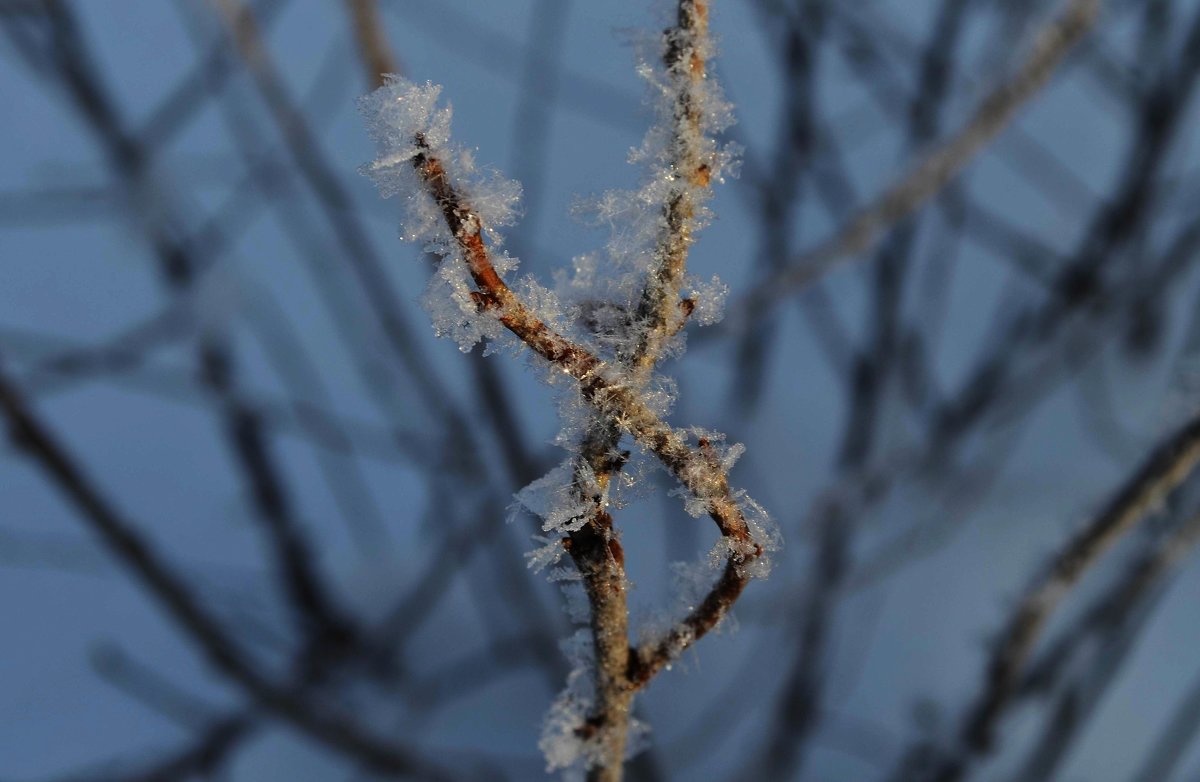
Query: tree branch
x=936, y=169
x=1164, y=469
x=220, y=650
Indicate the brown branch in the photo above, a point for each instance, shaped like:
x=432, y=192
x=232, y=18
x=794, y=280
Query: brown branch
x=601, y=562
x=379, y=60
x=1163, y=471
x=620, y=670
x=220, y=650
x=599, y=383
x=659, y=315
x=937, y=168
x=376, y=53
x=613, y=390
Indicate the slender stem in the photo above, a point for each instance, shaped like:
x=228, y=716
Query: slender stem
x=186, y=610
x=933, y=172
x=595, y=548
x=600, y=384
x=1161, y=473
x=614, y=392
x=376, y=53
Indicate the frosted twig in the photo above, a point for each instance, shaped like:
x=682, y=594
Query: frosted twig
x=599, y=385
x=605, y=388
x=595, y=549
x=470, y=299
x=937, y=168
x=411, y=134
x=660, y=314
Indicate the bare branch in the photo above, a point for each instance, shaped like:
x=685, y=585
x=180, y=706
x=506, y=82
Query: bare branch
x=376, y=53
x=937, y=168
x=221, y=651
x=1164, y=470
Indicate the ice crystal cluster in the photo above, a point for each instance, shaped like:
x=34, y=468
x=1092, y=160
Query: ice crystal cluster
x=595, y=304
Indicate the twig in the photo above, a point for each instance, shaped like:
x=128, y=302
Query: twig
x=799, y=706
x=491, y=395
x=599, y=383
x=378, y=60
x=614, y=391
x=1172, y=744
x=364, y=259
x=179, y=267
x=221, y=651
x=1113, y=622
x=609, y=394
x=595, y=549
x=201, y=756
x=937, y=168
x=214, y=67
x=377, y=56
x=1164, y=470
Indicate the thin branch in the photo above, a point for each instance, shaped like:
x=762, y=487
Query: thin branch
x=376, y=53
x=221, y=651
x=614, y=392
x=1114, y=622
x=1172, y=743
x=179, y=266
x=595, y=548
x=1111, y=610
x=937, y=168
x=1163, y=471
x=203, y=756
x=600, y=384
x=241, y=27
x=379, y=60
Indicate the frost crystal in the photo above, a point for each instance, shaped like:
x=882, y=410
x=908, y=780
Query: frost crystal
x=397, y=114
x=561, y=744
x=559, y=499
x=763, y=530
x=405, y=121
x=549, y=553
x=709, y=299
